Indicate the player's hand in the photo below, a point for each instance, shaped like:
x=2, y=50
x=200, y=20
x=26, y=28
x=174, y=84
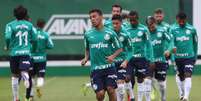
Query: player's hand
x=174, y=50
x=110, y=58
x=124, y=64
x=167, y=54
x=84, y=61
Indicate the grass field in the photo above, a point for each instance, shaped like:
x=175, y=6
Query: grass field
x=68, y=89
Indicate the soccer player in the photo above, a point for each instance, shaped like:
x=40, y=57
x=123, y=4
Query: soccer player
x=159, y=38
x=159, y=17
x=39, y=48
x=142, y=55
x=99, y=43
x=116, y=10
x=19, y=36
x=122, y=60
x=185, y=49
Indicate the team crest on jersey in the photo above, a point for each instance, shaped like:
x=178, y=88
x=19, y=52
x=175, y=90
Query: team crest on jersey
x=107, y=37
x=165, y=28
x=140, y=33
x=121, y=38
x=159, y=34
x=188, y=32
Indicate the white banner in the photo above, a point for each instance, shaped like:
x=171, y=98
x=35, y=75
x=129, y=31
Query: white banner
x=197, y=21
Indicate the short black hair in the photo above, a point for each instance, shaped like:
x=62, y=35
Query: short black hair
x=133, y=13
x=40, y=23
x=20, y=12
x=181, y=15
x=117, y=17
x=117, y=5
x=150, y=20
x=97, y=11
x=158, y=11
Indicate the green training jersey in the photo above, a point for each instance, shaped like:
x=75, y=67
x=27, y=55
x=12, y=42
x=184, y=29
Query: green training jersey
x=164, y=25
x=125, y=40
x=140, y=39
x=108, y=23
x=159, y=38
x=39, y=48
x=100, y=44
x=185, y=41
x=19, y=35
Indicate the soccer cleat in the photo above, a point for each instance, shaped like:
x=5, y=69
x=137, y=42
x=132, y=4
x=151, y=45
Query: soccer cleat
x=181, y=98
x=184, y=99
x=84, y=89
x=38, y=92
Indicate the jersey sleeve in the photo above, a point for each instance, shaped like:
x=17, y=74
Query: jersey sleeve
x=149, y=47
x=34, y=34
x=168, y=39
x=86, y=42
x=195, y=43
x=115, y=41
x=50, y=43
x=7, y=35
x=129, y=48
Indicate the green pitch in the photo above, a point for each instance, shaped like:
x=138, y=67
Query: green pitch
x=69, y=89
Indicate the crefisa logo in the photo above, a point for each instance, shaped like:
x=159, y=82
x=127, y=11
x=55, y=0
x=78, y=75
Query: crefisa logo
x=69, y=26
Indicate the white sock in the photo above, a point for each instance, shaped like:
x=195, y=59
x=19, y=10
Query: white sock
x=32, y=88
x=15, y=88
x=40, y=82
x=120, y=92
x=25, y=77
x=187, y=87
x=128, y=87
x=180, y=85
x=162, y=88
x=140, y=91
x=154, y=83
x=147, y=91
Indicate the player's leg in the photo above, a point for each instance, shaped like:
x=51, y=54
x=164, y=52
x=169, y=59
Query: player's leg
x=41, y=68
x=140, y=78
x=110, y=83
x=153, y=84
x=120, y=91
x=97, y=82
x=14, y=64
x=188, y=69
x=180, y=77
x=24, y=68
x=144, y=78
x=130, y=80
x=161, y=72
x=30, y=90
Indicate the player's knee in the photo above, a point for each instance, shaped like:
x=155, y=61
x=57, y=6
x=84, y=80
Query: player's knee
x=100, y=95
x=187, y=74
x=110, y=90
x=181, y=77
x=140, y=80
x=16, y=75
x=127, y=78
